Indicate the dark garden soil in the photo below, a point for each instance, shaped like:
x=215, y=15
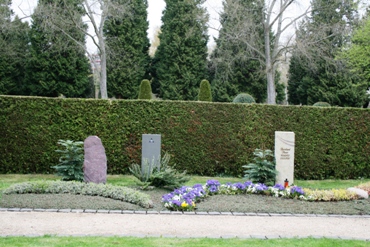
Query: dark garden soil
x=217, y=203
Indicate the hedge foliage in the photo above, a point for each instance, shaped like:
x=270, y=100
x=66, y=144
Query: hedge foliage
x=203, y=138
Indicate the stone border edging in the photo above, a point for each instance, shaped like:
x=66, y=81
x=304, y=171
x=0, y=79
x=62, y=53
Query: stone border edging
x=148, y=212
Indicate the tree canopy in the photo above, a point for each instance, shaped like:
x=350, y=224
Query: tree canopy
x=127, y=51
x=180, y=61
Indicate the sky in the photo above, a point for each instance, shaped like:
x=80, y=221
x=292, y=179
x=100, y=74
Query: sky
x=25, y=8
x=155, y=7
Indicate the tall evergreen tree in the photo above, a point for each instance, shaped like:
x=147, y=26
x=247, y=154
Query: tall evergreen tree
x=314, y=74
x=233, y=66
x=128, y=50
x=57, y=65
x=181, y=58
x=357, y=55
x=13, y=50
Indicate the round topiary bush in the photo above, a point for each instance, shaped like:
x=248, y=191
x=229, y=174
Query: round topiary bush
x=244, y=98
x=145, y=91
x=321, y=104
x=205, y=93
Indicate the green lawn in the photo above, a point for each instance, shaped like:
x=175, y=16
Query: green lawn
x=127, y=180
x=164, y=242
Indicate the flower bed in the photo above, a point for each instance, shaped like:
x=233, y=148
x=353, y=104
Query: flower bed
x=186, y=198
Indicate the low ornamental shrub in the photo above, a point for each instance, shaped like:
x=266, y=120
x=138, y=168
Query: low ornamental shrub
x=205, y=93
x=262, y=170
x=244, y=98
x=330, y=195
x=70, y=161
x=364, y=186
x=145, y=90
x=164, y=177
x=78, y=188
x=321, y=104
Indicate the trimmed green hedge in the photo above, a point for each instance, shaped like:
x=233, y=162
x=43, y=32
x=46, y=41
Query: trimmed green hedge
x=203, y=138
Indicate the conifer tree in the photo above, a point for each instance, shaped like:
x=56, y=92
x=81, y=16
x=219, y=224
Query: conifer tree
x=205, y=93
x=315, y=75
x=145, y=90
x=181, y=58
x=57, y=65
x=13, y=50
x=233, y=66
x=127, y=50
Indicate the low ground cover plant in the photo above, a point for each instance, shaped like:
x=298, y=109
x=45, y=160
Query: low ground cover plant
x=77, y=188
x=186, y=198
x=364, y=186
x=160, y=175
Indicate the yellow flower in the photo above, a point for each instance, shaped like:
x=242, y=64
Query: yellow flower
x=184, y=204
x=193, y=204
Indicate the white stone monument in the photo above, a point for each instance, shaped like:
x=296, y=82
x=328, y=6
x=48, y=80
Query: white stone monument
x=284, y=156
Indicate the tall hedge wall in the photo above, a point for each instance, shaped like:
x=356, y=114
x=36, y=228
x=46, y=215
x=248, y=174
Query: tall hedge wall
x=203, y=138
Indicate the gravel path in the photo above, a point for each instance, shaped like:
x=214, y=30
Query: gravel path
x=172, y=225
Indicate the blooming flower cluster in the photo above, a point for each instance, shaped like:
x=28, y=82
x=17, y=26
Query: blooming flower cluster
x=185, y=198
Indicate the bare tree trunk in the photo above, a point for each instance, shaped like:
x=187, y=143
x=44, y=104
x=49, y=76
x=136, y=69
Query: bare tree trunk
x=103, y=72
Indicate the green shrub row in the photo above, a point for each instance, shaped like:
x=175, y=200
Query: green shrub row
x=203, y=138
x=79, y=188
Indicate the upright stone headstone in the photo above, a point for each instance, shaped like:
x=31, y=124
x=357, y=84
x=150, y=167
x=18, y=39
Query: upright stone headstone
x=95, y=161
x=151, y=150
x=284, y=156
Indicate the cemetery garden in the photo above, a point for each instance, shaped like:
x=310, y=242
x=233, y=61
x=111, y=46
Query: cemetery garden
x=248, y=165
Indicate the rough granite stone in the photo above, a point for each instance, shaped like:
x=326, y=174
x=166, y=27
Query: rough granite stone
x=361, y=193
x=95, y=161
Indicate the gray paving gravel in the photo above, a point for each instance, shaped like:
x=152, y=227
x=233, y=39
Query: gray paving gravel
x=15, y=222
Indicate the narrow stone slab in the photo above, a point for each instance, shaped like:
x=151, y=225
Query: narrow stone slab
x=263, y=214
x=3, y=209
x=127, y=212
x=77, y=211
x=26, y=210
x=67, y=210
x=300, y=215
x=51, y=210
x=238, y=214
x=214, y=213
x=39, y=210
x=152, y=212
x=273, y=237
x=90, y=211
x=284, y=156
x=286, y=215
x=103, y=211
x=14, y=209
x=164, y=212
x=201, y=213
x=176, y=212
x=226, y=213
x=250, y=214
x=140, y=212
x=115, y=211
x=258, y=237
x=228, y=236
x=189, y=213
